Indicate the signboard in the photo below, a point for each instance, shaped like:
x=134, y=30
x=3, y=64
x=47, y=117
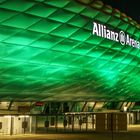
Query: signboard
x=120, y=36
x=39, y=103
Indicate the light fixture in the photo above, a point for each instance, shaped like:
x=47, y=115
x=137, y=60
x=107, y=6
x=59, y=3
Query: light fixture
x=125, y=108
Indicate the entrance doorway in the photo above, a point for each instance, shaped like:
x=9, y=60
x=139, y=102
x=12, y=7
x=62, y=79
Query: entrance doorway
x=15, y=125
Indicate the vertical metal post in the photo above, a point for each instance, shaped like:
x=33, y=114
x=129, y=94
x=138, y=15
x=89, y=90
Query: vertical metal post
x=24, y=126
x=80, y=122
x=72, y=122
x=86, y=122
x=56, y=123
x=36, y=125
x=48, y=122
x=64, y=123
x=11, y=126
x=92, y=121
x=30, y=126
x=112, y=135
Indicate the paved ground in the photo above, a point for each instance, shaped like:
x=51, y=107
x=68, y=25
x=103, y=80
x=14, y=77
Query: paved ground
x=99, y=136
x=132, y=134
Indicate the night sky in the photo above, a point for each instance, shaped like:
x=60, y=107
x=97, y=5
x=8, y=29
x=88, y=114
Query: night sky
x=129, y=7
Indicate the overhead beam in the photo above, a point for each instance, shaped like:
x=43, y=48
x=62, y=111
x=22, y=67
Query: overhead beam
x=73, y=104
x=10, y=105
x=93, y=106
x=83, y=108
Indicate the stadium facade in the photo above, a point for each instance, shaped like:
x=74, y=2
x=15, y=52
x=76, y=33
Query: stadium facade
x=65, y=62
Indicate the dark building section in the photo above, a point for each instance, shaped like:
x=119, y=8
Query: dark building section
x=130, y=8
x=67, y=117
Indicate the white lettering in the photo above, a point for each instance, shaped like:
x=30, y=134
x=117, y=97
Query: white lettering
x=95, y=29
x=102, y=31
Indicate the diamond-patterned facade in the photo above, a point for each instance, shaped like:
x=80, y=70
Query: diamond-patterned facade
x=48, y=52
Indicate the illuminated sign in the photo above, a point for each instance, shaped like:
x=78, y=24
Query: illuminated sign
x=121, y=37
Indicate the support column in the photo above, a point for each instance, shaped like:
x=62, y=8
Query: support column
x=11, y=125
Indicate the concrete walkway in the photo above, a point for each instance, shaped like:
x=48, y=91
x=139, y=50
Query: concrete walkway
x=132, y=134
x=99, y=136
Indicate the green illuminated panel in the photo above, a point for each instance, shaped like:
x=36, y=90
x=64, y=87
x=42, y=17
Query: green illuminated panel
x=48, y=52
